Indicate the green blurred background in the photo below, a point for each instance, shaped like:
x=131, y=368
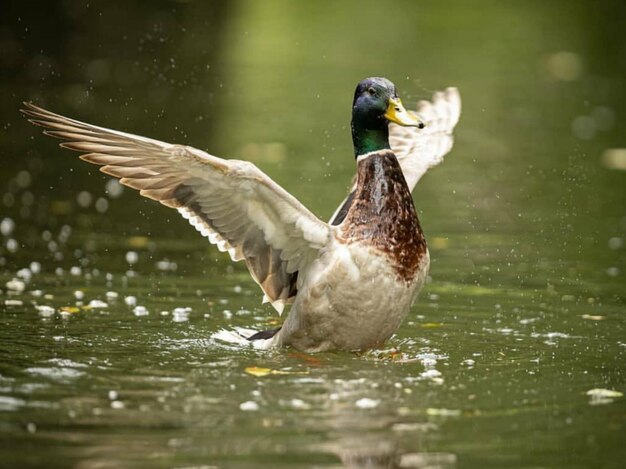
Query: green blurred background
x=526, y=217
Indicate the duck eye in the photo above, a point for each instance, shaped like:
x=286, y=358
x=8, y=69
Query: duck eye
x=371, y=91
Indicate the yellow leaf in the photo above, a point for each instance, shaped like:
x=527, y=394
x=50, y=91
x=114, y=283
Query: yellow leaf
x=258, y=371
x=70, y=309
x=431, y=325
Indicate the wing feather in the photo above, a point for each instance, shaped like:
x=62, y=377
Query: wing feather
x=418, y=150
x=232, y=203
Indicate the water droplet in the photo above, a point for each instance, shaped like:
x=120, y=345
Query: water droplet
x=7, y=225
x=132, y=257
x=141, y=311
x=249, y=406
x=84, y=199
x=367, y=403
x=113, y=188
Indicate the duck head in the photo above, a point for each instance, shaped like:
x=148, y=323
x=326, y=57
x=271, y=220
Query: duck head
x=375, y=104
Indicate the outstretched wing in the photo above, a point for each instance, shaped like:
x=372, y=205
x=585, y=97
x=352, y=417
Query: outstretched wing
x=232, y=203
x=418, y=150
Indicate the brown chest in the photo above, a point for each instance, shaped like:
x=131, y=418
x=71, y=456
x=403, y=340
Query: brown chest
x=382, y=214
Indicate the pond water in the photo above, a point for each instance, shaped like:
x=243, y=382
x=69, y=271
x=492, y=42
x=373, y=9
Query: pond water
x=514, y=355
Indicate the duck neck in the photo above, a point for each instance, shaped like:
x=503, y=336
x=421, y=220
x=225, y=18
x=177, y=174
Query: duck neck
x=368, y=140
x=382, y=214
x=378, y=176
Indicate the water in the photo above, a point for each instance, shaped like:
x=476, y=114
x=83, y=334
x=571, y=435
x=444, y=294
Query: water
x=106, y=358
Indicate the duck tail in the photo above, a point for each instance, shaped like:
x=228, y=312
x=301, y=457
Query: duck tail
x=264, y=335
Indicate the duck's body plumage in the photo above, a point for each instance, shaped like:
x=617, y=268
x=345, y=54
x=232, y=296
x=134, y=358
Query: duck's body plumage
x=352, y=280
x=351, y=299
x=356, y=294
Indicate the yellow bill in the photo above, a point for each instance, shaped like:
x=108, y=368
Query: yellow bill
x=397, y=114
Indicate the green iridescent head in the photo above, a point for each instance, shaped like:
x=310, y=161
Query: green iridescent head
x=375, y=104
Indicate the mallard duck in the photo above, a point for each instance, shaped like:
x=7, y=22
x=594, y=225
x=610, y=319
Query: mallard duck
x=350, y=281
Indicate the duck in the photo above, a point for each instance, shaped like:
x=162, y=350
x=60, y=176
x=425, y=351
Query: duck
x=351, y=281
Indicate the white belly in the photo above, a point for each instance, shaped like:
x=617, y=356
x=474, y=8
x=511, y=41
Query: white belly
x=350, y=298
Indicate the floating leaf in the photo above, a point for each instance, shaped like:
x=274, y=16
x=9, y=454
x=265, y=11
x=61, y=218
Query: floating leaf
x=593, y=317
x=431, y=325
x=260, y=372
x=70, y=309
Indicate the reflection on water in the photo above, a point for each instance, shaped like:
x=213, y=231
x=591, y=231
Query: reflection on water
x=513, y=357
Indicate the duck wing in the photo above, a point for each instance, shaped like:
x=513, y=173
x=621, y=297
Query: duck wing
x=418, y=150
x=232, y=203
